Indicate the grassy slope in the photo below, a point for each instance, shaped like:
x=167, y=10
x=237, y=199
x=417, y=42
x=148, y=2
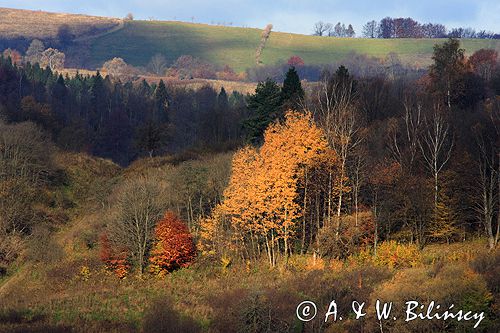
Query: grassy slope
x=139, y=40
x=16, y=23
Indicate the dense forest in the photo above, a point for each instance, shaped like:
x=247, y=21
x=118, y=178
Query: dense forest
x=362, y=171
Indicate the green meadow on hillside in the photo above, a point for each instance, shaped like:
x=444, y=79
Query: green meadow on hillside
x=138, y=41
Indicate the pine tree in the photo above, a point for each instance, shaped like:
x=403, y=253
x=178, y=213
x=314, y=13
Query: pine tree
x=265, y=107
x=292, y=93
x=151, y=137
x=161, y=101
x=97, y=101
x=222, y=100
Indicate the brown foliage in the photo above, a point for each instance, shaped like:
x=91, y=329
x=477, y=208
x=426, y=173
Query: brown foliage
x=14, y=56
x=484, y=62
x=115, y=260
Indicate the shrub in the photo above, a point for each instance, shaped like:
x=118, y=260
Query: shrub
x=395, y=255
x=174, y=247
x=488, y=265
x=354, y=236
x=258, y=310
x=115, y=260
x=85, y=273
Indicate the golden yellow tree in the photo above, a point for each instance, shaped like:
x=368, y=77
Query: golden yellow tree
x=261, y=201
x=289, y=149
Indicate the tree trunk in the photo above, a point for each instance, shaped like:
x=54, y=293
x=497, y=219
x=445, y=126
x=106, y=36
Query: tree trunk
x=304, y=213
x=339, y=206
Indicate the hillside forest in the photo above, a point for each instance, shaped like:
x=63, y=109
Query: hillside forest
x=129, y=204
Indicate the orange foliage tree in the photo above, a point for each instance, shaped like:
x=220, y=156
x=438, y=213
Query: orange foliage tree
x=174, y=247
x=264, y=203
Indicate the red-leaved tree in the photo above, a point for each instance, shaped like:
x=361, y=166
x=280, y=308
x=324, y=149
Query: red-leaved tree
x=295, y=61
x=174, y=247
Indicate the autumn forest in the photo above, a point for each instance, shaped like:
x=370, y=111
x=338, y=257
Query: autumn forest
x=131, y=202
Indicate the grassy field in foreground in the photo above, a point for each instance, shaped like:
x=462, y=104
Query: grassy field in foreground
x=139, y=40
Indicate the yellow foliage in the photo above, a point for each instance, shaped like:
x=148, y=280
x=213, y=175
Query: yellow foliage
x=261, y=197
x=85, y=273
x=395, y=255
x=225, y=262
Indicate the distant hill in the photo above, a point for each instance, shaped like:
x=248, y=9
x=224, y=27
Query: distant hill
x=16, y=23
x=138, y=41
x=101, y=39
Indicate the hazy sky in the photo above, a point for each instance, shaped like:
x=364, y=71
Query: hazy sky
x=291, y=15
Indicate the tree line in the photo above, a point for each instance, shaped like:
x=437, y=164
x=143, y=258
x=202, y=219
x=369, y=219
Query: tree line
x=119, y=120
x=401, y=27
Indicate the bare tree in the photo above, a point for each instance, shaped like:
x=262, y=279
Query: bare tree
x=322, y=29
x=358, y=178
x=34, y=52
x=404, y=146
x=436, y=146
x=263, y=40
x=338, y=115
x=138, y=207
x=488, y=164
x=118, y=68
x=158, y=64
x=370, y=29
x=487, y=196
x=25, y=163
x=52, y=58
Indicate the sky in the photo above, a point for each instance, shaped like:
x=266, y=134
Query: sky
x=288, y=16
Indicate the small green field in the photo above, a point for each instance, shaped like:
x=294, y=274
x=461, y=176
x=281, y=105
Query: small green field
x=139, y=40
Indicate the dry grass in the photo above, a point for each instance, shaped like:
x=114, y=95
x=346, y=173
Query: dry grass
x=16, y=23
x=195, y=84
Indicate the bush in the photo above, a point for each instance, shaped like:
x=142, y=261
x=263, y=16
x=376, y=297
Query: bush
x=353, y=236
x=115, y=260
x=488, y=265
x=246, y=310
x=395, y=255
